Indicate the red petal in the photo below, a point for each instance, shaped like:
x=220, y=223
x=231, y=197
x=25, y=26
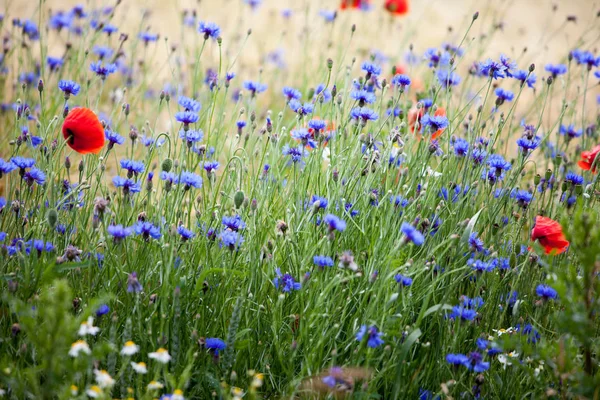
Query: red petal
x=545, y=226
x=83, y=131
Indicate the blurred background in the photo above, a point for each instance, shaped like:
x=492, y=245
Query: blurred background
x=548, y=29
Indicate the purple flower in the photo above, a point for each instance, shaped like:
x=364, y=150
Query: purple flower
x=147, y=230
x=215, y=345
x=133, y=285
x=412, y=234
x=323, y=261
x=462, y=313
x=403, y=280
x=286, y=282
x=254, y=87
x=546, y=292
x=334, y=223
x=372, y=334
x=230, y=239
x=103, y=70
x=69, y=88
x=189, y=104
x=185, y=234
x=209, y=29
x=118, y=232
x=457, y=359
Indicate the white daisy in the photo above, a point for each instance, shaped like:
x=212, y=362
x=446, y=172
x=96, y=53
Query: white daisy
x=129, y=348
x=155, y=385
x=94, y=392
x=161, y=355
x=88, y=328
x=140, y=367
x=103, y=379
x=79, y=346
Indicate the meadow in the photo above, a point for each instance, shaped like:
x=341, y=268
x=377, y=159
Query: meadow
x=249, y=199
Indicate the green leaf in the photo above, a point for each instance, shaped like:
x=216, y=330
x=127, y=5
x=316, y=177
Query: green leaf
x=470, y=226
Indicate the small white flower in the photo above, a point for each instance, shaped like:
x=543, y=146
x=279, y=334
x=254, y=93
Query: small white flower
x=502, y=331
x=103, y=379
x=129, y=348
x=79, y=346
x=326, y=155
x=177, y=395
x=505, y=359
x=431, y=172
x=2, y=392
x=155, y=385
x=88, y=328
x=94, y=392
x=161, y=355
x=140, y=367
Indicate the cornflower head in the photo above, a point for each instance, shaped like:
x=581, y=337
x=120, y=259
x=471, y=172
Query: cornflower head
x=118, y=232
x=493, y=69
x=147, y=230
x=254, y=87
x=103, y=71
x=209, y=30
x=291, y=93
x=363, y=97
x=323, y=261
x=371, y=334
x=69, y=88
x=189, y=104
x=285, y=282
x=411, y=234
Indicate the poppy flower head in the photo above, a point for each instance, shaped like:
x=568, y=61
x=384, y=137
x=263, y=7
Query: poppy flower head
x=83, y=131
x=587, y=159
x=550, y=235
x=414, y=117
x=397, y=7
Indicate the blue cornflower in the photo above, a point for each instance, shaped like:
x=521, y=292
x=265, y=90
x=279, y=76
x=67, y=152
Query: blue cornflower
x=574, y=179
x=526, y=144
x=412, y=234
x=147, y=230
x=363, y=97
x=533, y=336
x=323, y=261
x=319, y=202
x=492, y=69
x=447, y=78
x=210, y=166
x=503, y=95
x=476, y=363
x=60, y=20
x=480, y=265
x=304, y=136
x=30, y=29
x=478, y=155
x=191, y=136
x=434, y=57
x=546, y=292
x=373, y=336
x=185, y=234
x=481, y=343
x=403, y=280
x=148, y=37
x=133, y=167
x=103, y=70
x=570, y=131
x=329, y=16
x=556, y=69
x=461, y=147
x=209, y=29
x=234, y=223
x=462, y=313
x=22, y=162
x=475, y=243
x=523, y=198
x=510, y=65
x=525, y=77
x=113, y=138
x=295, y=153
x=230, y=239
x=69, y=88
x=102, y=51
x=301, y=109
x=457, y=359
x=215, y=345
x=291, y=93
x=133, y=285
x=6, y=167
x=34, y=175
x=434, y=123
x=229, y=76
x=254, y=87
x=118, y=232
x=363, y=114
x=186, y=117
x=504, y=263
x=286, y=281
x=472, y=303
x=498, y=164
x=321, y=92
x=317, y=125
x=109, y=29
x=54, y=63
x=585, y=58
x=401, y=81
x=102, y=310
x=371, y=69
x=128, y=185
x=189, y=104
x=240, y=125
x=334, y=223
x=190, y=180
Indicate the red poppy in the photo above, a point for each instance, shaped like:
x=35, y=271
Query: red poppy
x=550, y=235
x=83, y=131
x=362, y=4
x=588, y=157
x=397, y=7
